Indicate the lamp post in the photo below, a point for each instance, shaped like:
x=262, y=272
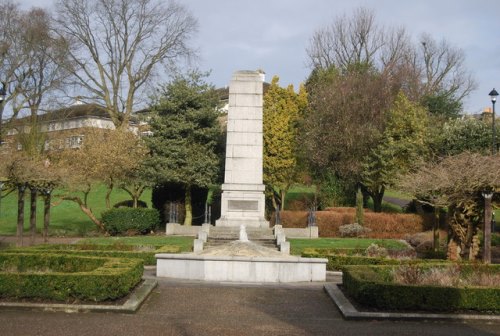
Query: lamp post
x=493, y=95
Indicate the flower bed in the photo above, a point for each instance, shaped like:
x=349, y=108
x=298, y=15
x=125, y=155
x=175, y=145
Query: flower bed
x=61, y=277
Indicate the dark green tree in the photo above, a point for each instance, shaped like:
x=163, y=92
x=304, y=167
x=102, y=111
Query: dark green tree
x=186, y=136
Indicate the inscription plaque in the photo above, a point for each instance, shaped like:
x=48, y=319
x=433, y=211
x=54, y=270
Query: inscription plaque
x=239, y=205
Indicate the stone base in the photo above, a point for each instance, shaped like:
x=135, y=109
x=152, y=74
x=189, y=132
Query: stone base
x=242, y=205
x=240, y=269
x=237, y=222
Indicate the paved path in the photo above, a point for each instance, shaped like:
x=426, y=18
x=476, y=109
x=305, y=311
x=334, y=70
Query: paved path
x=177, y=308
x=397, y=201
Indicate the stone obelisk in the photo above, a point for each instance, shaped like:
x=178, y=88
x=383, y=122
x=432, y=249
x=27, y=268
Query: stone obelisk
x=243, y=200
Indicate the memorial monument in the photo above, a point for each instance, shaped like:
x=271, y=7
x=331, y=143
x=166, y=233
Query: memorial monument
x=243, y=199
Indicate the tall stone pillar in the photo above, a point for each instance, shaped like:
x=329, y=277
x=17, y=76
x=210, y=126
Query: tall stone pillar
x=243, y=200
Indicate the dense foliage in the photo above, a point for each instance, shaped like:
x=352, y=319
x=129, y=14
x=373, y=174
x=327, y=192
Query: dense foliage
x=186, y=139
x=282, y=109
x=137, y=220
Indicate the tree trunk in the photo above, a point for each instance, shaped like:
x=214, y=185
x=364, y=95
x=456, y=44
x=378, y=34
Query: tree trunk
x=46, y=216
x=108, y=194
x=135, y=193
x=435, y=230
x=377, y=200
x=86, y=210
x=282, y=196
x=20, y=214
x=487, y=229
x=188, y=220
x=33, y=196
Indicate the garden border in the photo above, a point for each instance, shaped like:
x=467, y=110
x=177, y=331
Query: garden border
x=133, y=303
x=349, y=312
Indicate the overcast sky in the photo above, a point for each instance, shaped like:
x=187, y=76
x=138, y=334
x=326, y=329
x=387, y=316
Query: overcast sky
x=273, y=34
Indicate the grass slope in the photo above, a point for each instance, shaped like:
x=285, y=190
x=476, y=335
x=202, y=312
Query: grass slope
x=66, y=217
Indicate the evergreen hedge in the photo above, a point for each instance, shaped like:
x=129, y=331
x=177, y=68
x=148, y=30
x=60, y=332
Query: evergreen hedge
x=372, y=286
x=66, y=278
x=339, y=262
x=138, y=220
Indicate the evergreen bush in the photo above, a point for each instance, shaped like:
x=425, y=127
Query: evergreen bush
x=130, y=220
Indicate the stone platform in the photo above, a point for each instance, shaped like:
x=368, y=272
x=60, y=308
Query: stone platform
x=240, y=261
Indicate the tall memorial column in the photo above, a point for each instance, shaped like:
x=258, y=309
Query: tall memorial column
x=243, y=200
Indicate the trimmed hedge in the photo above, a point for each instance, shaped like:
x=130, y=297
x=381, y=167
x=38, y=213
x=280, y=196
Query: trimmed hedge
x=66, y=278
x=137, y=220
x=148, y=257
x=339, y=262
x=383, y=225
x=372, y=286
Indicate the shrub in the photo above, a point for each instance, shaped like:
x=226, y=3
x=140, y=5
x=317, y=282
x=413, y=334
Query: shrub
x=65, y=278
x=130, y=220
x=353, y=230
x=376, y=251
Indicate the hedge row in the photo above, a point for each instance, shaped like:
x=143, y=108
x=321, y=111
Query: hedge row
x=338, y=262
x=371, y=286
x=148, y=257
x=66, y=278
x=383, y=225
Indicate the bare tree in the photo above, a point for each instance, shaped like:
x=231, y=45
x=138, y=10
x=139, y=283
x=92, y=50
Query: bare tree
x=118, y=44
x=428, y=68
x=457, y=183
x=443, y=69
x=346, y=41
x=31, y=59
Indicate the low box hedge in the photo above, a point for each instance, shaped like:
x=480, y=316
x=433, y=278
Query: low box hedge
x=338, y=262
x=372, y=286
x=66, y=277
x=148, y=257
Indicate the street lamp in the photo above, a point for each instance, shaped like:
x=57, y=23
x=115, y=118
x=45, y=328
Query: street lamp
x=3, y=94
x=493, y=95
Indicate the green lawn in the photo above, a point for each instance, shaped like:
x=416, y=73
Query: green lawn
x=185, y=243
x=298, y=245
x=66, y=217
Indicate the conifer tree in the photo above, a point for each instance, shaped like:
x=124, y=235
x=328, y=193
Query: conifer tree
x=186, y=136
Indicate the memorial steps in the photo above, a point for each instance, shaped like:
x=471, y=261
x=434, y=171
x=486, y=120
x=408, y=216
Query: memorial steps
x=224, y=235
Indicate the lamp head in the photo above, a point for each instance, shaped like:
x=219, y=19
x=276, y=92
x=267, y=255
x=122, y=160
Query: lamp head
x=493, y=95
